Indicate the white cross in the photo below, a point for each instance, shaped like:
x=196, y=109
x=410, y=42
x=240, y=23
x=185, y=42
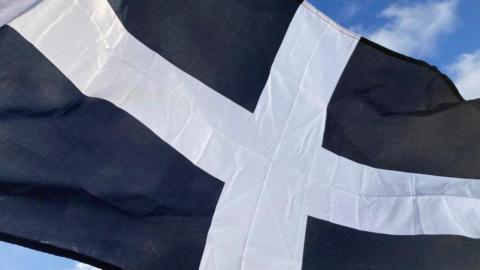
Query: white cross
x=275, y=170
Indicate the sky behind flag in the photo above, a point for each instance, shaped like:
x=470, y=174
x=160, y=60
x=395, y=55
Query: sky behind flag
x=442, y=32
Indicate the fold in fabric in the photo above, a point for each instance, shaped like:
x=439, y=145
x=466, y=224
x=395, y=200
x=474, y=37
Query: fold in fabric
x=10, y=9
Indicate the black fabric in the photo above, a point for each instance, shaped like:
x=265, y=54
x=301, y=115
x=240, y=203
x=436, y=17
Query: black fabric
x=392, y=112
x=330, y=246
x=229, y=45
x=81, y=178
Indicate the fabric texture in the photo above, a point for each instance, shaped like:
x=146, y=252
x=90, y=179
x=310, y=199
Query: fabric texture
x=10, y=9
x=82, y=178
x=223, y=181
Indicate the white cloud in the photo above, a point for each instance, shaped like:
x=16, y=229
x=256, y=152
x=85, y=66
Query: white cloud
x=466, y=74
x=82, y=266
x=416, y=28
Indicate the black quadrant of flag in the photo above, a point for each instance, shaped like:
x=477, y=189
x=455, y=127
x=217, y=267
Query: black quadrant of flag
x=393, y=112
x=329, y=247
x=229, y=45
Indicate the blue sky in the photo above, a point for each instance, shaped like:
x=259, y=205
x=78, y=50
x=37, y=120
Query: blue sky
x=445, y=33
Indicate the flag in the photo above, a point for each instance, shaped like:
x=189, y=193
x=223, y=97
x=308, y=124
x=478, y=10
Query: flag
x=254, y=134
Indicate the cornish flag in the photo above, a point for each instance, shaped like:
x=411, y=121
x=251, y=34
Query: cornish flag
x=229, y=135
